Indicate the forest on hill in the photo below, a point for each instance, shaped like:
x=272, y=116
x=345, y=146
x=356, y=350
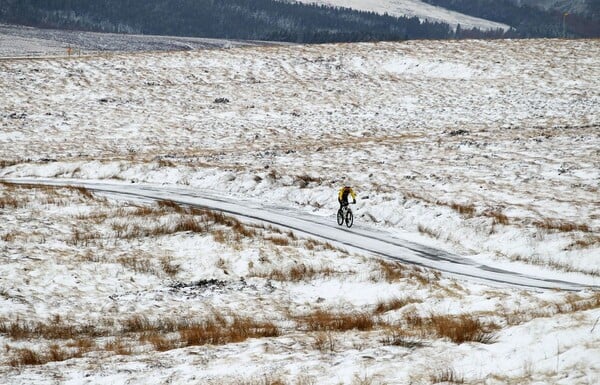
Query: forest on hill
x=273, y=20
x=230, y=19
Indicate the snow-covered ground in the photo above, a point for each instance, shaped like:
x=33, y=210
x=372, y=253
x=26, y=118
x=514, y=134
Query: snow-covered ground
x=414, y=8
x=489, y=149
x=17, y=40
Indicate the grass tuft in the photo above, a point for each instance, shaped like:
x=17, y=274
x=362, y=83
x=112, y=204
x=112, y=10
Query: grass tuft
x=323, y=320
x=167, y=265
x=296, y=273
x=562, y=226
x=324, y=342
x=118, y=346
x=395, y=336
x=159, y=342
x=83, y=191
x=446, y=376
x=466, y=210
x=9, y=202
x=394, y=304
x=214, y=332
x=54, y=353
x=458, y=329
x=52, y=330
x=27, y=357
x=278, y=241
x=499, y=218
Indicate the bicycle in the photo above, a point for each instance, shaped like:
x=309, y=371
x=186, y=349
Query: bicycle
x=345, y=214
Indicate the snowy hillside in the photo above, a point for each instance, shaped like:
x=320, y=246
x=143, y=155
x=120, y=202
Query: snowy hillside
x=486, y=149
x=412, y=8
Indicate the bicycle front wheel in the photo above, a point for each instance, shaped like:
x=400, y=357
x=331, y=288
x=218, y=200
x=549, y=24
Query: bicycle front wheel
x=349, y=218
x=340, y=217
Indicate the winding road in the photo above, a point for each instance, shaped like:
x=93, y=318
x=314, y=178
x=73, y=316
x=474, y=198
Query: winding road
x=358, y=238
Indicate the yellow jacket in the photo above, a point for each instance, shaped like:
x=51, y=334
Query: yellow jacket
x=343, y=194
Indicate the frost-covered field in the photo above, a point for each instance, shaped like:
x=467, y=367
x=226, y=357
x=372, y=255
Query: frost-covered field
x=489, y=149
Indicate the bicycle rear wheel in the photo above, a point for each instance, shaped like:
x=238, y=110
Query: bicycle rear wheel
x=340, y=217
x=349, y=218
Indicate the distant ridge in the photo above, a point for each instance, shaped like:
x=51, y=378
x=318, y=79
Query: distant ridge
x=272, y=20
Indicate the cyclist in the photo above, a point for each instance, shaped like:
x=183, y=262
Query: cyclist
x=343, y=196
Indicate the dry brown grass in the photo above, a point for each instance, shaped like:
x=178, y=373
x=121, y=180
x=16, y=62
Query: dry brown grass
x=173, y=206
x=137, y=263
x=264, y=380
x=426, y=230
x=53, y=330
x=466, y=210
x=499, y=218
x=572, y=303
x=296, y=273
x=170, y=268
x=216, y=217
x=83, y=345
x=324, y=341
x=446, y=376
x=189, y=224
x=219, y=236
x=181, y=224
x=312, y=244
x=118, y=346
x=304, y=180
x=56, y=353
x=562, y=226
x=83, y=191
x=458, y=329
x=81, y=237
x=324, y=320
x=96, y=216
x=53, y=353
x=585, y=242
x=392, y=271
x=165, y=163
x=159, y=342
x=8, y=237
x=10, y=202
x=140, y=324
x=52, y=195
x=23, y=357
x=394, y=304
x=217, y=332
x=240, y=229
x=141, y=211
x=162, y=334
x=553, y=264
x=278, y=240
x=8, y=162
x=397, y=336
